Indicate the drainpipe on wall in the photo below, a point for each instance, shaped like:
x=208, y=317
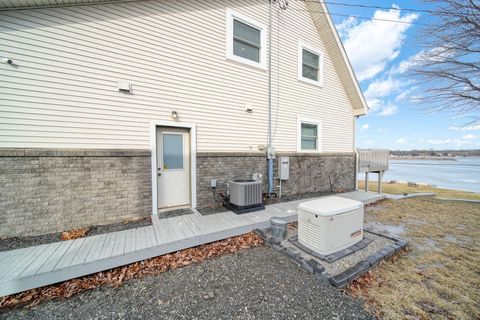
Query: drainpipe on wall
x=270, y=152
x=355, y=150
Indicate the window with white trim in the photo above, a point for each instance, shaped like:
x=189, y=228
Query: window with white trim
x=309, y=135
x=245, y=40
x=310, y=64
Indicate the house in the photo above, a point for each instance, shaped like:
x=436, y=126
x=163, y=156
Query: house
x=111, y=110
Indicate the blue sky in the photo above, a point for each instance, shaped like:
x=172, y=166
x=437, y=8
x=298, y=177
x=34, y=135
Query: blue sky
x=380, y=53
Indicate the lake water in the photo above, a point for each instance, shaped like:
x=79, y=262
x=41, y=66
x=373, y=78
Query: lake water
x=462, y=174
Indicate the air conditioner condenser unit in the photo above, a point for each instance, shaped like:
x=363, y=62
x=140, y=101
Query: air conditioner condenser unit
x=245, y=195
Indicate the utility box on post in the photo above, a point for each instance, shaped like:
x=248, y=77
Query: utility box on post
x=283, y=168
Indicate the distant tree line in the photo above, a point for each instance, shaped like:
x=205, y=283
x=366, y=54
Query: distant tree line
x=436, y=153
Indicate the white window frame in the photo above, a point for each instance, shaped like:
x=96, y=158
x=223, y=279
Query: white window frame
x=301, y=46
x=301, y=120
x=231, y=15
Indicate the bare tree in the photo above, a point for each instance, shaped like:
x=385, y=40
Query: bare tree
x=449, y=67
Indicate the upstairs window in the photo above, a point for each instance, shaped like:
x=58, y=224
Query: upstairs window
x=246, y=40
x=310, y=62
x=310, y=65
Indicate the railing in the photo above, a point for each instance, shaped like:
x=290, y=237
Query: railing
x=372, y=160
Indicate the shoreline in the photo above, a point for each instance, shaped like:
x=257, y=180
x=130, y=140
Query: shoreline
x=419, y=184
x=422, y=158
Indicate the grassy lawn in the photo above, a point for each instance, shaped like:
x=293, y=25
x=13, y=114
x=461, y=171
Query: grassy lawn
x=399, y=188
x=439, y=276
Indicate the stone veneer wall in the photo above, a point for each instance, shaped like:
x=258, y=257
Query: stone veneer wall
x=309, y=172
x=49, y=190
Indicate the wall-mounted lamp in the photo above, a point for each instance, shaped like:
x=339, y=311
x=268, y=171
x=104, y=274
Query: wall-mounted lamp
x=174, y=115
x=7, y=60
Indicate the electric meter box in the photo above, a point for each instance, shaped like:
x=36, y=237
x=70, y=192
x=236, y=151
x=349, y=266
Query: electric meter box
x=283, y=168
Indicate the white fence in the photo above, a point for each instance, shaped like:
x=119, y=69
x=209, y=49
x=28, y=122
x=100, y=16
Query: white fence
x=372, y=160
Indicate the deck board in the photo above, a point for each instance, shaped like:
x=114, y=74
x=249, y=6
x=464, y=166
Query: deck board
x=68, y=257
x=33, y=267
x=42, y=259
x=119, y=246
x=52, y=261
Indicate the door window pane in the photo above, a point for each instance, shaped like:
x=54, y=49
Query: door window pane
x=172, y=151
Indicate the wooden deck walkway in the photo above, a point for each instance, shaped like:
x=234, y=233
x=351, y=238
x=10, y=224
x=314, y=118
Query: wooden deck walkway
x=37, y=266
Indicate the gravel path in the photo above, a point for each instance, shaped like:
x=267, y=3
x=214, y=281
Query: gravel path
x=251, y=284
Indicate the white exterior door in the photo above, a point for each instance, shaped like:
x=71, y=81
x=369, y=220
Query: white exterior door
x=173, y=167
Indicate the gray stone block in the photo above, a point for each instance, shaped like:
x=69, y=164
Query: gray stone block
x=354, y=248
x=367, y=240
x=374, y=259
x=390, y=251
x=396, y=247
x=307, y=265
x=402, y=243
x=383, y=253
x=357, y=270
x=361, y=245
x=340, y=280
x=293, y=252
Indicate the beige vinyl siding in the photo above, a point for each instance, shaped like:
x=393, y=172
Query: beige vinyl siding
x=63, y=91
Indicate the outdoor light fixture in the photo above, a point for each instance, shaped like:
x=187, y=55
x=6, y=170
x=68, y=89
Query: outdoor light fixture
x=174, y=115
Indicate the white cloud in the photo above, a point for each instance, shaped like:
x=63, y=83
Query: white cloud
x=472, y=127
x=388, y=111
x=344, y=26
x=401, y=141
x=383, y=130
x=380, y=89
x=469, y=137
x=371, y=44
x=364, y=127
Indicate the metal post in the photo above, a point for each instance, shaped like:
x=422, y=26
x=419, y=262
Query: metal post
x=270, y=160
x=366, y=181
x=380, y=175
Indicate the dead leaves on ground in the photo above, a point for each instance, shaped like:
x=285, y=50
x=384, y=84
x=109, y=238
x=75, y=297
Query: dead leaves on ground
x=118, y=276
x=74, y=234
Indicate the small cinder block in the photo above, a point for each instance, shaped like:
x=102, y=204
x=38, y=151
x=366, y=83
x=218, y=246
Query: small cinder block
x=354, y=248
x=367, y=241
x=402, y=243
x=307, y=265
x=293, y=253
x=390, y=251
x=396, y=246
x=374, y=259
x=361, y=245
x=317, y=268
x=383, y=253
x=357, y=270
x=340, y=280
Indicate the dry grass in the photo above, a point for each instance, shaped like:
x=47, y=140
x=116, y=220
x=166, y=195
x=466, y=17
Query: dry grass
x=400, y=188
x=439, y=276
